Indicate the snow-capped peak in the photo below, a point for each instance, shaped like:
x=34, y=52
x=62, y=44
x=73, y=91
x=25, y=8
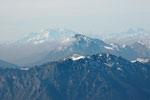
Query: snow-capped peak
x=141, y=60
x=47, y=35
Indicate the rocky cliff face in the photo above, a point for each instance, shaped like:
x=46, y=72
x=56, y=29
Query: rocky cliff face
x=96, y=77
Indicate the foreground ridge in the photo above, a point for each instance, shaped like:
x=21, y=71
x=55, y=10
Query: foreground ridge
x=101, y=76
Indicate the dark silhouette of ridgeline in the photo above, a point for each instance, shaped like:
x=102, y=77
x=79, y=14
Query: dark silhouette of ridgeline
x=97, y=77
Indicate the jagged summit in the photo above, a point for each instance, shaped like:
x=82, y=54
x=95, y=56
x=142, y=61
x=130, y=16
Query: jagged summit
x=80, y=36
x=84, y=45
x=106, y=58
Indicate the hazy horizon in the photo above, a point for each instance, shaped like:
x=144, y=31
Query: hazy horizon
x=19, y=18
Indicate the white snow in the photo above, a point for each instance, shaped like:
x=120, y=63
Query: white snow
x=141, y=60
x=100, y=55
x=38, y=42
x=141, y=42
x=77, y=57
x=24, y=68
x=119, y=68
x=48, y=34
x=114, y=46
x=88, y=57
x=110, y=48
x=124, y=45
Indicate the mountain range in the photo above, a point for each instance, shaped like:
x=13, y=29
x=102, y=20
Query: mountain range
x=83, y=45
x=59, y=43
x=128, y=37
x=97, y=77
x=59, y=64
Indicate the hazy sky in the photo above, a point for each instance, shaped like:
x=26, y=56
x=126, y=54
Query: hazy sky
x=19, y=17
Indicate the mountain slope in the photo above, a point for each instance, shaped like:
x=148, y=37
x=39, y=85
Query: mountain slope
x=142, y=48
x=4, y=64
x=83, y=45
x=78, y=44
x=96, y=77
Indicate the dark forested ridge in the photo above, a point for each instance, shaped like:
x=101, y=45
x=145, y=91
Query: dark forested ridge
x=96, y=77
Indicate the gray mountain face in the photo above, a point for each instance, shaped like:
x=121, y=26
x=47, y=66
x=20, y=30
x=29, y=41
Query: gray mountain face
x=83, y=45
x=4, y=64
x=96, y=77
x=78, y=44
x=37, y=48
x=142, y=48
x=34, y=46
x=22, y=54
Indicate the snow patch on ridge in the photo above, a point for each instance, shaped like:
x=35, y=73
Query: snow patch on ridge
x=141, y=60
x=114, y=46
x=77, y=57
x=24, y=68
x=110, y=48
x=38, y=42
x=141, y=42
x=119, y=69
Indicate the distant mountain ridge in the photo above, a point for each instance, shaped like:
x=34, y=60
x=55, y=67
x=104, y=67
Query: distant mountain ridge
x=4, y=64
x=142, y=48
x=47, y=35
x=54, y=44
x=128, y=37
x=83, y=45
x=78, y=44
